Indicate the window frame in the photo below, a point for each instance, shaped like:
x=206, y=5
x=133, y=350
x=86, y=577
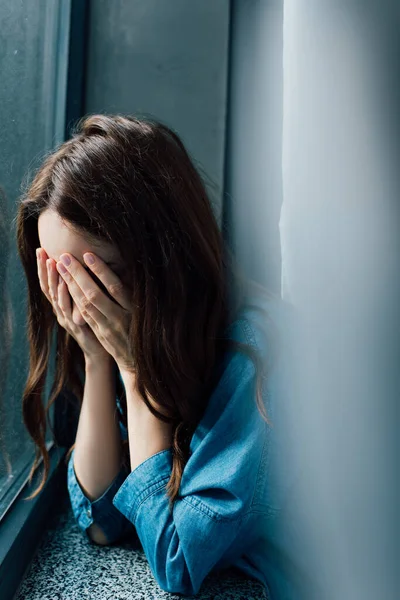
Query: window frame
x=24, y=522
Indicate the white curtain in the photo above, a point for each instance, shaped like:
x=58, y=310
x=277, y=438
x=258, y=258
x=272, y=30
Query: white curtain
x=339, y=231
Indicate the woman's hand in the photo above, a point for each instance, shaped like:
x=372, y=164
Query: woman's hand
x=56, y=291
x=108, y=313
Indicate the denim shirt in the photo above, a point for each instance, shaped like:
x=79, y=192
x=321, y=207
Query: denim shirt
x=233, y=487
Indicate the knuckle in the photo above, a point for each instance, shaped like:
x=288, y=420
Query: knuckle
x=107, y=335
x=115, y=288
x=119, y=330
x=89, y=298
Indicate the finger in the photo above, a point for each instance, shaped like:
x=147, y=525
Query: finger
x=42, y=273
x=109, y=280
x=53, y=284
x=89, y=312
x=64, y=298
x=92, y=289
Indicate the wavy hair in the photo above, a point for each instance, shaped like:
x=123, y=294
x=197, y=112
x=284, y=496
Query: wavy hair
x=130, y=181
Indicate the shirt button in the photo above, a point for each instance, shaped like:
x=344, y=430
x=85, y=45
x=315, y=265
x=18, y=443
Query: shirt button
x=89, y=512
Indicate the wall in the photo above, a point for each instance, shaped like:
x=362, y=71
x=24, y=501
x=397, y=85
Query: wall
x=253, y=183
x=168, y=60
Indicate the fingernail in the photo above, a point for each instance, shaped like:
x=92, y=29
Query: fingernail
x=89, y=259
x=61, y=268
x=65, y=259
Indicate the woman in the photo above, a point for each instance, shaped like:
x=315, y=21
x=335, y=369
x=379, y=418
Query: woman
x=161, y=323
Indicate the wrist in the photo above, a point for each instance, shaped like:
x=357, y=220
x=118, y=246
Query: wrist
x=94, y=363
x=129, y=378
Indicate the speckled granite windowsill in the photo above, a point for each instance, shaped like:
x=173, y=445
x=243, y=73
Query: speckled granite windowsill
x=67, y=566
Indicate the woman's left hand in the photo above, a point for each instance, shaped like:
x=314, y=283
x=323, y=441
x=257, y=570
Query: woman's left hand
x=109, y=320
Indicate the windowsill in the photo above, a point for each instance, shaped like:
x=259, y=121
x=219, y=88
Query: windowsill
x=68, y=565
x=22, y=526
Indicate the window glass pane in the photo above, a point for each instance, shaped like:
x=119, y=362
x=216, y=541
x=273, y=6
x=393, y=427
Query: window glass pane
x=31, y=71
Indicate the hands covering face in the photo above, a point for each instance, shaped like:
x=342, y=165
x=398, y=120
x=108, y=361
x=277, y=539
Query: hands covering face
x=102, y=299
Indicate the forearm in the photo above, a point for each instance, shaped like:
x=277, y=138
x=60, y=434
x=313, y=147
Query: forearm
x=147, y=434
x=98, y=445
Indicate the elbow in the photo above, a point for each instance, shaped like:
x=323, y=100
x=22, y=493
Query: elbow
x=171, y=569
x=185, y=590
x=174, y=584
x=96, y=535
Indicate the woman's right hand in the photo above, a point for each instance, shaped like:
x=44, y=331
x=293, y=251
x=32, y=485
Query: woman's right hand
x=56, y=291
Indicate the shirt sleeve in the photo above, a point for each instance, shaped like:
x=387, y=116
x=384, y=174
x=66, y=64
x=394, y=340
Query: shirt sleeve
x=216, y=488
x=100, y=511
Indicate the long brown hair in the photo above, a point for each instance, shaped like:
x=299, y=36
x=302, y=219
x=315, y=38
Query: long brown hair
x=130, y=181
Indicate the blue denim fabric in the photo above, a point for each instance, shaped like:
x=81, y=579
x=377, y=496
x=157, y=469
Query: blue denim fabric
x=233, y=486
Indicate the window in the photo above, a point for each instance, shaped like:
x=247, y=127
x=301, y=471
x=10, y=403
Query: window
x=32, y=97
x=34, y=68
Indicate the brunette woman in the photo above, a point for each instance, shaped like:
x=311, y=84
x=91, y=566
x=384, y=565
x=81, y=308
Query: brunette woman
x=169, y=351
